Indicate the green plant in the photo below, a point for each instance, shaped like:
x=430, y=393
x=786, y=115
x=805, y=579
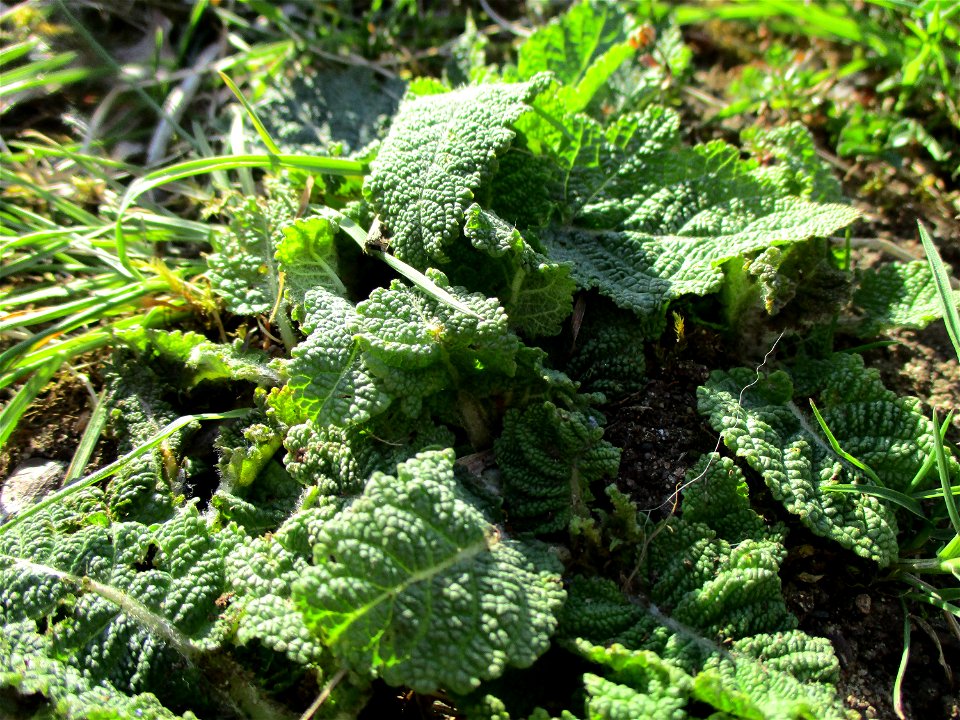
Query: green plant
x=408, y=475
x=901, y=514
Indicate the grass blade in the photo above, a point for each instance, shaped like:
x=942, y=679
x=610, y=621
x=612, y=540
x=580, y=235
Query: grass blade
x=930, y=461
x=884, y=493
x=840, y=451
x=91, y=434
x=951, y=317
x=34, y=73
x=410, y=273
x=199, y=6
x=252, y=114
x=26, y=318
x=114, y=67
x=121, y=462
x=902, y=669
x=191, y=168
x=89, y=340
x=13, y=410
x=17, y=50
x=99, y=311
x=944, y=471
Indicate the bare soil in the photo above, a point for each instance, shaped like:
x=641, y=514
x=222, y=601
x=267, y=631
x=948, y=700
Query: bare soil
x=52, y=427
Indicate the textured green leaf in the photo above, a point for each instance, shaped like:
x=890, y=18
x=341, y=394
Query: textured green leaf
x=715, y=494
x=416, y=346
x=591, y=158
x=494, y=236
x=640, y=684
x=262, y=571
x=896, y=295
x=714, y=571
x=204, y=360
x=261, y=506
x=329, y=111
x=415, y=584
x=788, y=675
x=653, y=697
x=242, y=268
x=439, y=150
x=763, y=425
x=804, y=173
x=244, y=453
x=647, y=659
x=307, y=257
x=536, y=293
x=95, y=610
x=582, y=48
x=609, y=354
x=548, y=459
x=724, y=589
x=650, y=220
x=526, y=189
x=644, y=272
x=339, y=461
x=29, y=665
x=406, y=328
x=327, y=377
x=890, y=434
x=595, y=163
x=800, y=276
x=144, y=488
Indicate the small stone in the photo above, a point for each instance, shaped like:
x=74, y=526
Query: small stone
x=863, y=603
x=28, y=483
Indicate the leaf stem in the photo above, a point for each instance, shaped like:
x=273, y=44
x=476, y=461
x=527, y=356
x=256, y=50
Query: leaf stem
x=902, y=669
x=324, y=694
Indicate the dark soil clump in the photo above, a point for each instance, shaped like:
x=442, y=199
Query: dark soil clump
x=842, y=598
x=662, y=436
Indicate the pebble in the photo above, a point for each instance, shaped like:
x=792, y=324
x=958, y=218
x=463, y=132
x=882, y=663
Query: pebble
x=28, y=483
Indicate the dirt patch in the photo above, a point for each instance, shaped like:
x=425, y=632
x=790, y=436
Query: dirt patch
x=52, y=427
x=661, y=435
x=848, y=601
x=922, y=363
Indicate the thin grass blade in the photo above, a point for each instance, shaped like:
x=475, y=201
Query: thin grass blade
x=191, y=168
x=91, y=434
x=122, y=462
x=951, y=317
x=107, y=306
x=884, y=493
x=90, y=340
x=13, y=410
x=840, y=451
x=943, y=470
x=410, y=273
x=902, y=669
x=252, y=114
